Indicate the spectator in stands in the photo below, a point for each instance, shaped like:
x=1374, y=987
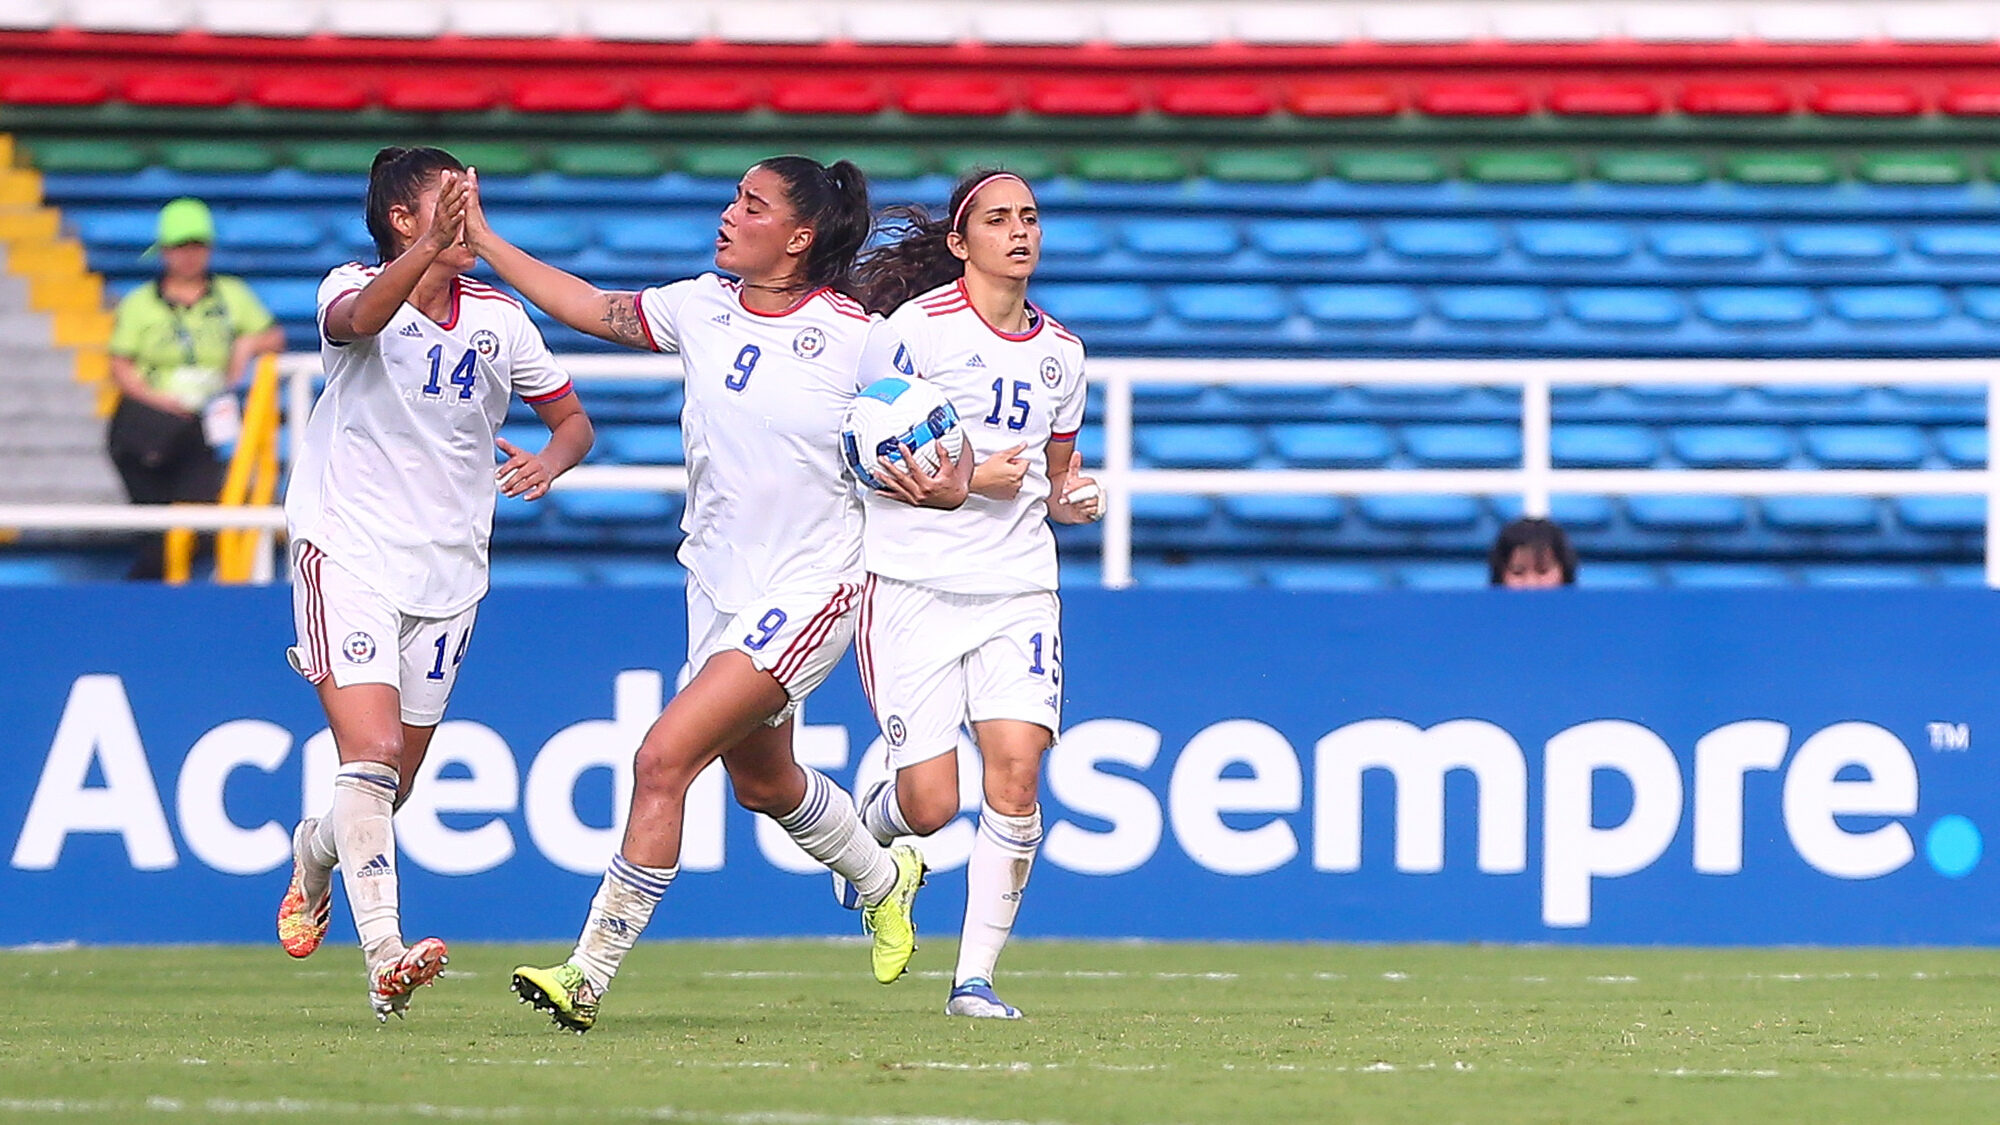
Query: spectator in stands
x=1531, y=554
x=180, y=345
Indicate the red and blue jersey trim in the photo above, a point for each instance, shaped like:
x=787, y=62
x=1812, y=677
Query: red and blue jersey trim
x=568, y=387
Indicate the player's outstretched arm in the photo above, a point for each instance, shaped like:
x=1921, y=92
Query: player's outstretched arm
x=612, y=316
x=368, y=311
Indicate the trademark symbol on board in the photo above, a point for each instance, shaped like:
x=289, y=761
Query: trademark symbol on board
x=1950, y=736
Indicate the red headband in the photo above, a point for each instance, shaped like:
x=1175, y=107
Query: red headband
x=959, y=215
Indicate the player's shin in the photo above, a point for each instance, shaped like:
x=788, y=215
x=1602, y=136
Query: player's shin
x=364, y=795
x=826, y=828
x=618, y=915
x=1003, y=853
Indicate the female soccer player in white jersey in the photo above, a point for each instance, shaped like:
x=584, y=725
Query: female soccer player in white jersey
x=773, y=546
x=959, y=620
x=390, y=509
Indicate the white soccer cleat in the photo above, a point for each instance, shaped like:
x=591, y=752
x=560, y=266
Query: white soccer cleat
x=975, y=998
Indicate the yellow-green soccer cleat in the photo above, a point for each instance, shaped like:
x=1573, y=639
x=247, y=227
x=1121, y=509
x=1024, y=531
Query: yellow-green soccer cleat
x=563, y=992
x=893, y=920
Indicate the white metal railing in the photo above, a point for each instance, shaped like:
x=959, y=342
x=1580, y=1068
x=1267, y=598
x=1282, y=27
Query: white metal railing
x=1534, y=481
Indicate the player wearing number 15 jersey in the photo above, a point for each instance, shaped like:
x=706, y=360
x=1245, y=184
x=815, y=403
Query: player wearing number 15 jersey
x=960, y=625
x=390, y=509
x=773, y=545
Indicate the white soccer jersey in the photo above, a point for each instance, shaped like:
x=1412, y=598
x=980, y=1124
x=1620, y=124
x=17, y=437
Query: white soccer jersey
x=394, y=476
x=1009, y=390
x=768, y=504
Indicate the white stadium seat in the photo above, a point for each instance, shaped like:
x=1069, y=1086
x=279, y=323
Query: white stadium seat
x=775, y=23
x=260, y=18
x=30, y=15
x=387, y=19
x=509, y=19
x=640, y=21
x=1937, y=23
x=911, y=23
x=1683, y=23
x=1422, y=23
x=1053, y=25
x=1811, y=23
x=161, y=17
x=1162, y=25
x=1290, y=24
x=1548, y=23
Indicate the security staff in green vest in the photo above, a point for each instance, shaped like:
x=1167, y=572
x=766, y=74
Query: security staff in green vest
x=179, y=344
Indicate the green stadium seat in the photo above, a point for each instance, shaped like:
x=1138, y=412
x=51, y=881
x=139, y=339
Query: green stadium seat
x=1520, y=168
x=1131, y=166
x=608, y=161
x=1651, y=168
x=236, y=157
x=1272, y=166
x=494, y=158
x=1029, y=163
x=60, y=156
x=721, y=162
x=1794, y=169
x=1914, y=168
x=1390, y=168
x=340, y=158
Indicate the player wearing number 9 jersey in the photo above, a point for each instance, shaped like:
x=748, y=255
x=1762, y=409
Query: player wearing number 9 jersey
x=960, y=625
x=390, y=508
x=773, y=544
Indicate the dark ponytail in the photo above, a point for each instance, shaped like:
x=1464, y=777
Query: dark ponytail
x=397, y=177
x=919, y=260
x=833, y=201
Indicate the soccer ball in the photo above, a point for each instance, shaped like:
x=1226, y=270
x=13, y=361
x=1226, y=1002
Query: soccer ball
x=891, y=413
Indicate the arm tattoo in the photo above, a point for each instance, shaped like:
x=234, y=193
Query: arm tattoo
x=621, y=321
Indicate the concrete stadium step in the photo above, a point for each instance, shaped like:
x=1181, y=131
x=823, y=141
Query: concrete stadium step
x=58, y=478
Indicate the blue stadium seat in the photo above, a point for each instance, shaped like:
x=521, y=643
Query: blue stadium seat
x=1734, y=307
x=1404, y=394
x=1901, y=306
x=529, y=570
x=1493, y=306
x=596, y=506
x=1219, y=446
x=1863, y=576
x=1942, y=514
x=1686, y=513
x=1602, y=447
x=1296, y=395
x=1981, y=303
x=1629, y=309
x=267, y=231
x=1228, y=306
x=1681, y=394
x=1180, y=238
x=1192, y=576
x=1787, y=395
x=1084, y=305
x=1167, y=510
x=1442, y=576
x=1866, y=447
x=1283, y=511
x=1332, y=445
x=1618, y=576
x=1361, y=306
x=1964, y=448
x=630, y=235
x=1304, y=576
x=1449, y=240
x=350, y=233
x=642, y=445
x=1706, y=244
x=1166, y=394
x=115, y=230
x=1709, y=576
x=1959, y=244
x=1463, y=447
x=512, y=511
x=1074, y=238
x=1731, y=447
x=33, y=570
x=1309, y=238
x=551, y=235
x=290, y=298
x=626, y=571
x=1822, y=513
x=1419, y=511
x=524, y=435
x=1573, y=242
x=1838, y=245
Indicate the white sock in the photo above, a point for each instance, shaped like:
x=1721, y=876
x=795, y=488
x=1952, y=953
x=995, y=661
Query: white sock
x=364, y=795
x=826, y=827
x=618, y=915
x=882, y=814
x=1002, y=855
x=321, y=847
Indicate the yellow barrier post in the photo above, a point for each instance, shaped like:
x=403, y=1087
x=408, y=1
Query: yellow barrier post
x=252, y=478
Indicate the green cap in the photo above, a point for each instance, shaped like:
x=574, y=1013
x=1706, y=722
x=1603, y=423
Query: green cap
x=183, y=220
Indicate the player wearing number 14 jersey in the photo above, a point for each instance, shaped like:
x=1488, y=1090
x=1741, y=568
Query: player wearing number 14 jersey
x=960, y=625
x=390, y=508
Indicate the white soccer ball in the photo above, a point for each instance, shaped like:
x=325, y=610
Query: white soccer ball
x=892, y=413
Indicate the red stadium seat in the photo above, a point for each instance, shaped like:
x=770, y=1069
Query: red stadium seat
x=567, y=95
x=1475, y=99
x=54, y=89
x=297, y=91
x=827, y=95
x=1736, y=99
x=1605, y=99
x=1215, y=99
x=438, y=95
x=955, y=97
x=1085, y=98
x=195, y=89
x=1972, y=100
x=1866, y=100
x=698, y=95
x=1342, y=99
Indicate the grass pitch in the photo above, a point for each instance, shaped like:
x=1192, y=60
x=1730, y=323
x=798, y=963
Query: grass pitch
x=796, y=1033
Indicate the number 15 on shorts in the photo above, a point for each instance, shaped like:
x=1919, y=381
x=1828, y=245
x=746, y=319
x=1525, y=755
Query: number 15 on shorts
x=1052, y=666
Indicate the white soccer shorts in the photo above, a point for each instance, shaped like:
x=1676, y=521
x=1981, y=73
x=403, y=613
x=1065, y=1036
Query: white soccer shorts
x=795, y=635
x=932, y=662
x=345, y=630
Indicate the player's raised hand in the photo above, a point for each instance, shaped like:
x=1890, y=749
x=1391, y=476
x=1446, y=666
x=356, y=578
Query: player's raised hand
x=999, y=476
x=477, y=229
x=447, y=226
x=909, y=482
x=1082, y=501
x=523, y=473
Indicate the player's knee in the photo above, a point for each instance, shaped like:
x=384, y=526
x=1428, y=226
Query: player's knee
x=927, y=811
x=761, y=796
x=1012, y=791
